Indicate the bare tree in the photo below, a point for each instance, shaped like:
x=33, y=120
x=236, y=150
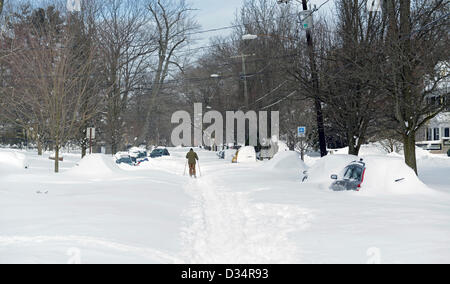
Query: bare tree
x=351, y=73
x=174, y=24
x=416, y=45
x=48, y=82
x=127, y=42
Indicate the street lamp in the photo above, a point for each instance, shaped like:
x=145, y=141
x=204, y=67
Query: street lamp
x=249, y=37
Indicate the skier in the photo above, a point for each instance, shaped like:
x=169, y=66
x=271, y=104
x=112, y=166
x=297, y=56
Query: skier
x=192, y=161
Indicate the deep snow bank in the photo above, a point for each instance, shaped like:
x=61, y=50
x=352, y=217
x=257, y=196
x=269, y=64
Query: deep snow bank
x=366, y=150
x=329, y=165
x=96, y=165
x=246, y=155
x=286, y=161
x=390, y=175
x=383, y=175
x=11, y=162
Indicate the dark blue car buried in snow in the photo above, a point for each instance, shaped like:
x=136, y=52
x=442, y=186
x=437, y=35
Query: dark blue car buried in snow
x=352, y=179
x=125, y=160
x=157, y=153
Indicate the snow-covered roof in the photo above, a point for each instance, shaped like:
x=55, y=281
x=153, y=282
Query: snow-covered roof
x=443, y=69
x=441, y=120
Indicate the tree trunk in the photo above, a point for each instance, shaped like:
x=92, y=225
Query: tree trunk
x=39, y=146
x=84, y=147
x=56, y=158
x=353, y=147
x=113, y=146
x=410, y=151
x=352, y=150
x=83, y=150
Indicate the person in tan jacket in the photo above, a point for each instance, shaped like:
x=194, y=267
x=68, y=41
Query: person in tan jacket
x=192, y=158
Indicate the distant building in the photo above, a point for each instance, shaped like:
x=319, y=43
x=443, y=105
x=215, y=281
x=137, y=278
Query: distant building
x=435, y=136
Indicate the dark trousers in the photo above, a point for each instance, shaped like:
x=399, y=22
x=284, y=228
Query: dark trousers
x=192, y=171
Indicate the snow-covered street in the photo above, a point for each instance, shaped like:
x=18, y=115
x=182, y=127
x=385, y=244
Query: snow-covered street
x=98, y=212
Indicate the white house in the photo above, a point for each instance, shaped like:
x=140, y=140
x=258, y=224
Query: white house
x=435, y=136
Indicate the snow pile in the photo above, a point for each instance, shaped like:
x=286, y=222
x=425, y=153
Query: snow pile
x=366, y=150
x=384, y=174
x=282, y=147
x=96, y=166
x=329, y=165
x=120, y=155
x=423, y=154
x=11, y=162
x=390, y=175
x=229, y=154
x=246, y=155
x=286, y=161
x=377, y=149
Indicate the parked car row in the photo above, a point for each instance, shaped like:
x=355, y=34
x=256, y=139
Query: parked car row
x=136, y=156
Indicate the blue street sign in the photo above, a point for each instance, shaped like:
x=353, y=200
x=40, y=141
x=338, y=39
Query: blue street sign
x=301, y=131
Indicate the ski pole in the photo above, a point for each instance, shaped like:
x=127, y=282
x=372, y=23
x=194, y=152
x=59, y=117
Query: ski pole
x=199, y=170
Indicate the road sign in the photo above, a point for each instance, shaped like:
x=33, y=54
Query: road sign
x=301, y=131
x=306, y=18
x=90, y=133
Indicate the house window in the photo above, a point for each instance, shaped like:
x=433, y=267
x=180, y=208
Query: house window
x=436, y=134
x=447, y=132
x=429, y=134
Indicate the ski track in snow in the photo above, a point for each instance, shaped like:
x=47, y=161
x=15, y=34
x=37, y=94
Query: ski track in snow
x=226, y=227
x=90, y=242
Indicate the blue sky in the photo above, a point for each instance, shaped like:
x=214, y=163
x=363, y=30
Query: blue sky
x=220, y=13
x=215, y=14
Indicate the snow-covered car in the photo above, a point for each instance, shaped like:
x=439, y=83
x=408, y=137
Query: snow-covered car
x=268, y=152
x=159, y=152
x=378, y=174
x=125, y=160
x=352, y=179
x=137, y=154
x=245, y=155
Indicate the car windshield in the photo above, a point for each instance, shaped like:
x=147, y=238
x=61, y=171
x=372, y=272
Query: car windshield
x=353, y=173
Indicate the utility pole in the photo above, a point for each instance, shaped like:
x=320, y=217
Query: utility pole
x=243, y=56
x=245, y=80
x=316, y=89
x=315, y=82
